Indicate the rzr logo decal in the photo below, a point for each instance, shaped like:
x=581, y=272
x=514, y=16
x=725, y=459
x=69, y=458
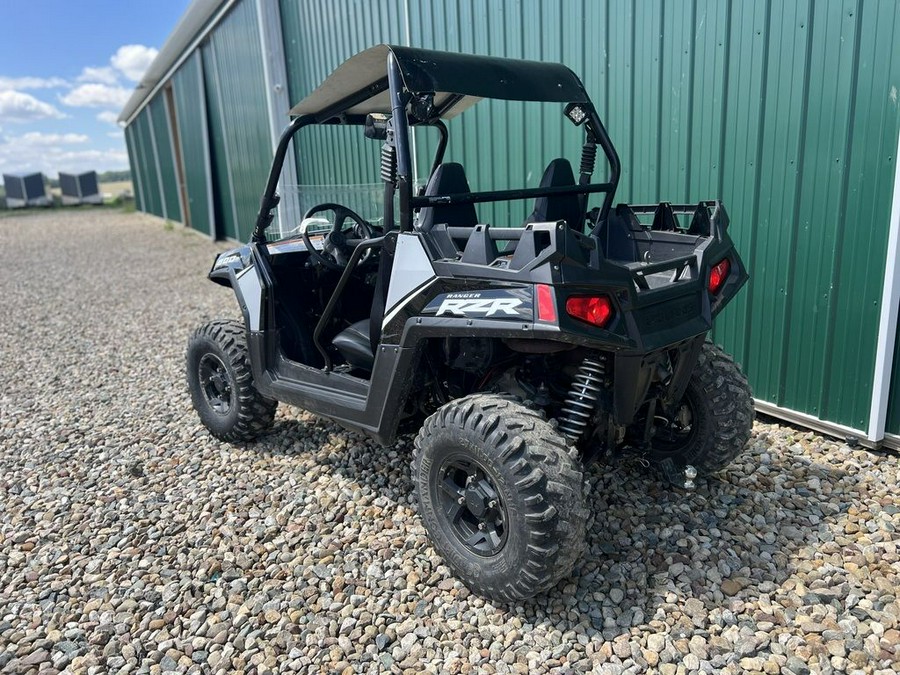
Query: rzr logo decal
x=506, y=304
x=480, y=306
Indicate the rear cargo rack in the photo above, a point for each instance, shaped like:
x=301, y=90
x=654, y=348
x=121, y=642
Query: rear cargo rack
x=665, y=216
x=652, y=275
x=661, y=244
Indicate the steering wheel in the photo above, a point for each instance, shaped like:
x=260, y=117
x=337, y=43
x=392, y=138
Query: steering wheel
x=337, y=246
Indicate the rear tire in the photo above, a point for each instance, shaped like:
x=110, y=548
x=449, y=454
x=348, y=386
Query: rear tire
x=715, y=419
x=221, y=383
x=521, y=524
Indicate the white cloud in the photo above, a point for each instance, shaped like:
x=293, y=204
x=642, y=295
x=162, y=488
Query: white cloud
x=7, y=83
x=18, y=107
x=104, y=75
x=116, y=134
x=109, y=117
x=52, y=153
x=133, y=60
x=96, y=96
x=36, y=138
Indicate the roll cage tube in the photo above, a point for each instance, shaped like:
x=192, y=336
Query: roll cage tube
x=399, y=99
x=596, y=132
x=615, y=166
x=441, y=149
x=270, y=197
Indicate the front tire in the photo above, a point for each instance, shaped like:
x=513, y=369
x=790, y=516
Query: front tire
x=500, y=495
x=221, y=383
x=712, y=424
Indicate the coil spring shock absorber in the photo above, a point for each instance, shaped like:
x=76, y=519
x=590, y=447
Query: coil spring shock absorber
x=581, y=402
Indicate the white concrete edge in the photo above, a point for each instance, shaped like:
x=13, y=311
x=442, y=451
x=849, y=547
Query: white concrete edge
x=816, y=424
x=887, y=327
x=891, y=441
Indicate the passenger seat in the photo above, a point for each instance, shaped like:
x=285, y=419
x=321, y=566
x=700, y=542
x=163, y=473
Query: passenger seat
x=558, y=207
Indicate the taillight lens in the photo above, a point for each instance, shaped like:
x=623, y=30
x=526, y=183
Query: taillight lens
x=717, y=275
x=596, y=310
x=546, y=307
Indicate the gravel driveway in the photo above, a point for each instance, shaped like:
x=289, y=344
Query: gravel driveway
x=132, y=541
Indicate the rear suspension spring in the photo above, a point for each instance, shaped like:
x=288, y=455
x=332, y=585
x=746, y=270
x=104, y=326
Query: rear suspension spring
x=581, y=402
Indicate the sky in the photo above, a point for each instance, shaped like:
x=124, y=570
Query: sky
x=67, y=67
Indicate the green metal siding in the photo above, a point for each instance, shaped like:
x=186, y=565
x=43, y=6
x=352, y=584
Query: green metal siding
x=238, y=119
x=318, y=36
x=190, y=111
x=223, y=200
x=787, y=110
x=133, y=165
x=163, y=137
x=781, y=109
x=152, y=200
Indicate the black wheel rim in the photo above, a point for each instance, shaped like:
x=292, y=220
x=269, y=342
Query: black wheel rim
x=675, y=434
x=472, y=505
x=215, y=383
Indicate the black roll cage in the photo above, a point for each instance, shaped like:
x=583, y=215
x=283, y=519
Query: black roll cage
x=400, y=97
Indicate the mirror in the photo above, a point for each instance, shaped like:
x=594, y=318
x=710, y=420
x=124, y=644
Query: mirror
x=376, y=126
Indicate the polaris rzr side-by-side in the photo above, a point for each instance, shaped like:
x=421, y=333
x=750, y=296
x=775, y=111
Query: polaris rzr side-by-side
x=523, y=351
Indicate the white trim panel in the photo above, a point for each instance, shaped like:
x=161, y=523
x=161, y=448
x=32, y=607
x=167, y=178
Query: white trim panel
x=887, y=326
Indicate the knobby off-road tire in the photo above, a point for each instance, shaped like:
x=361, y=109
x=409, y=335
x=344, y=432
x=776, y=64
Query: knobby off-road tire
x=221, y=383
x=526, y=487
x=721, y=415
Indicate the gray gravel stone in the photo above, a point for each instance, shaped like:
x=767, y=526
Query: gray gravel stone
x=132, y=541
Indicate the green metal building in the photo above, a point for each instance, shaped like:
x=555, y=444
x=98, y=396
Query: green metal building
x=787, y=110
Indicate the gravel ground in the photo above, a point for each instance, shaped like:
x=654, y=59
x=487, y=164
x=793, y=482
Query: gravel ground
x=132, y=541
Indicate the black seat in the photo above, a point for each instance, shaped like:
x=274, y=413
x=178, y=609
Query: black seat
x=448, y=179
x=558, y=207
x=353, y=343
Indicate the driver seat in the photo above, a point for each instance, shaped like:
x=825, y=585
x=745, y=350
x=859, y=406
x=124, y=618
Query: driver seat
x=354, y=345
x=355, y=342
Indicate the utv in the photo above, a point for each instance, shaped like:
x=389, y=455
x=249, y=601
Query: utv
x=523, y=351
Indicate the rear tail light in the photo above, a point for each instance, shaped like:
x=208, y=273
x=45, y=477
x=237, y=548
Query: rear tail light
x=546, y=307
x=717, y=275
x=596, y=310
